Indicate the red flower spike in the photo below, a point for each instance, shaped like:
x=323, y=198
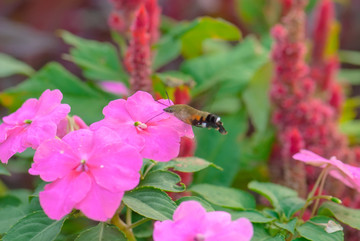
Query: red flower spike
x=137, y=59
x=324, y=17
x=154, y=12
x=336, y=97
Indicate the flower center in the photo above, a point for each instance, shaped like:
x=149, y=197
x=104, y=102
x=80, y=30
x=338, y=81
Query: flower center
x=199, y=237
x=27, y=121
x=140, y=125
x=82, y=166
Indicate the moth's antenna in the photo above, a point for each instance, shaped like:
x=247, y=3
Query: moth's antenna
x=168, y=97
x=161, y=103
x=154, y=116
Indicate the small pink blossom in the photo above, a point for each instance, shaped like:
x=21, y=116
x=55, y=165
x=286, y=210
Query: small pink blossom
x=114, y=87
x=192, y=222
x=69, y=124
x=347, y=174
x=141, y=121
x=34, y=122
x=89, y=171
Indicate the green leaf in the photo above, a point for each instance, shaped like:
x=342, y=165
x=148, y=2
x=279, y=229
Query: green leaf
x=9, y=216
x=3, y=170
x=222, y=150
x=101, y=232
x=76, y=93
x=9, y=200
x=345, y=215
x=256, y=97
x=175, y=78
x=169, y=46
x=349, y=57
x=314, y=229
x=260, y=233
x=150, y=202
x=99, y=60
x=10, y=66
x=289, y=226
x=203, y=203
x=35, y=226
x=290, y=205
x=207, y=27
x=350, y=76
x=282, y=198
x=186, y=164
x=226, y=105
x=164, y=180
x=225, y=196
x=253, y=215
x=226, y=73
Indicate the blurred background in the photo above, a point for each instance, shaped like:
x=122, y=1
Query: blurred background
x=28, y=27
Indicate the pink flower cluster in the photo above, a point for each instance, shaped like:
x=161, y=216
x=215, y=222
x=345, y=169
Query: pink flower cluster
x=90, y=169
x=302, y=118
x=34, y=122
x=192, y=222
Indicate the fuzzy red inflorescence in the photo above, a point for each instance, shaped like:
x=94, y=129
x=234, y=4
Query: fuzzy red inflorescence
x=306, y=98
x=138, y=55
x=141, y=18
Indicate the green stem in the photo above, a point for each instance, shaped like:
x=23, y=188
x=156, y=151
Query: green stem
x=138, y=223
x=128, y=216
x=123, y=227
x=321, y=188
x=311, y=194
x=148, y=169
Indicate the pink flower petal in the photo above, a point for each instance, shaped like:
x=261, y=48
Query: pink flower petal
x=25, y=112
x=38, y=132
x=54, y=159
x=12, y=144
x=192, y=222
x=181, y=127
x=142, y=107
x=114, y=87
x=161, y=143
x=49, y=106
x=238, y=230
x=164, y=231
x=81, y=141
x=187, y=209
x=116, y=167
x=310, y=158
x=345, y=173
x=116, y=110
x=100, y=204
x=60, y=197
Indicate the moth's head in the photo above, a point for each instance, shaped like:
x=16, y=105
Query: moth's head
x=169, y=109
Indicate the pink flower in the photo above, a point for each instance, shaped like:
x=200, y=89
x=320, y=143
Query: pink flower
x=34, y=122
x=114, y=87
x=69, y=124
x=89, y=171
x=347, y=174
x=142, y=123
x=192, y=222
